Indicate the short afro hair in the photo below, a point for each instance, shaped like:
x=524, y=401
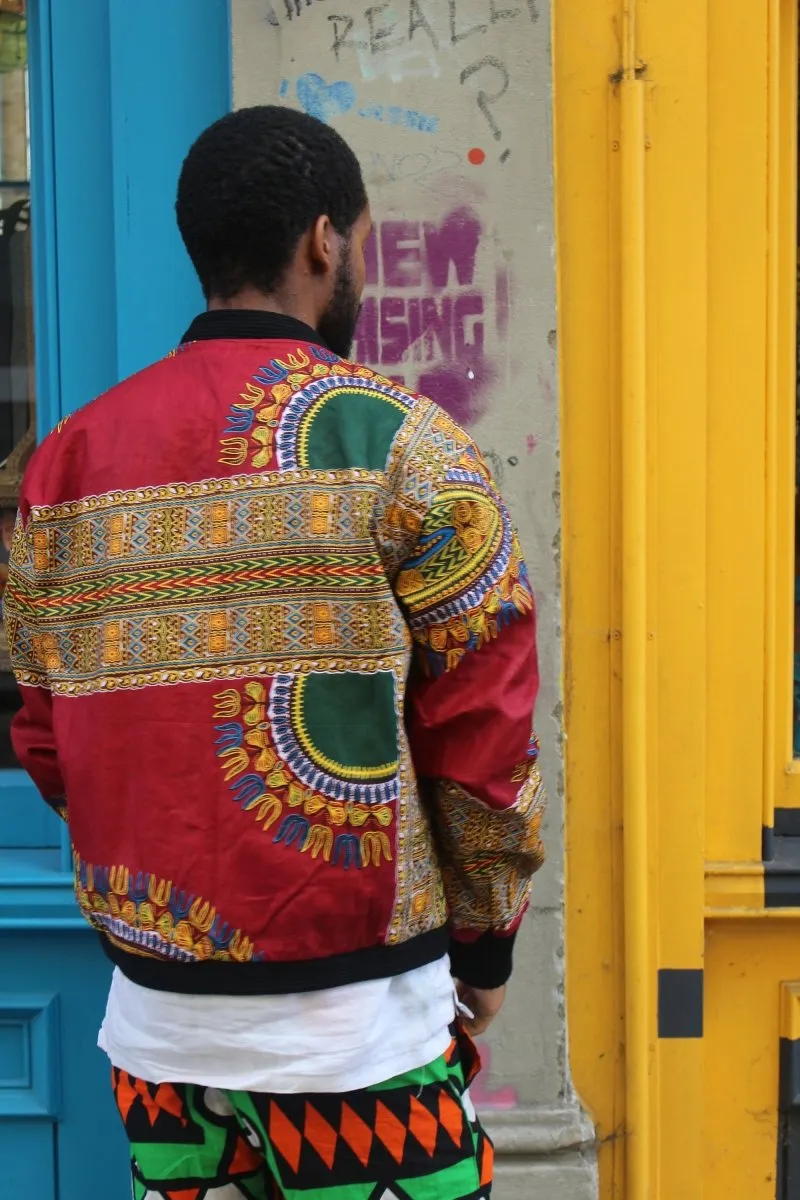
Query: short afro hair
x=252, y=184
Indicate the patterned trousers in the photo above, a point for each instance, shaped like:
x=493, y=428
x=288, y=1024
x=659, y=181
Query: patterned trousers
x=415, y=1137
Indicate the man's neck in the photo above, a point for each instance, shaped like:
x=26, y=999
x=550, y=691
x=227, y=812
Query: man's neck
x=252, y=300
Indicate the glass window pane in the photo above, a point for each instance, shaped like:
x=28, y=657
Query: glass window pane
x=17, y=395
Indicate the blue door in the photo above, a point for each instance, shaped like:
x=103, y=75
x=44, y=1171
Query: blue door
x=99, y=101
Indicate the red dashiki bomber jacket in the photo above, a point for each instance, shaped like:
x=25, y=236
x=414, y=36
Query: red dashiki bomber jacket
x=275, y=642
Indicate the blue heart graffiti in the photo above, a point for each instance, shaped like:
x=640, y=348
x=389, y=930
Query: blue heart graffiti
x=324, y=100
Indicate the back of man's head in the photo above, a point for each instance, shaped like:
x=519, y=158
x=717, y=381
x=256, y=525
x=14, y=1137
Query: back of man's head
x=252, y=185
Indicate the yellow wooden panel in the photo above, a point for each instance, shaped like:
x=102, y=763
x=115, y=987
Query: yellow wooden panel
x=585, y=53
x=732, y=888
x=718, y=382
x=745, y=962
x=672, y=42
x=784, y=247
x=737, y=298
x=682, y=1112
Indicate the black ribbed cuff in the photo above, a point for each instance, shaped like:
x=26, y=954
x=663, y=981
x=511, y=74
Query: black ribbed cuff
x=485, y=963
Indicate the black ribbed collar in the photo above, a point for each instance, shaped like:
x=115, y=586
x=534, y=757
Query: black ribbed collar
x=252, y=324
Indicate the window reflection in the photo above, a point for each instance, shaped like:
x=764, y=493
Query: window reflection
x=17, y=394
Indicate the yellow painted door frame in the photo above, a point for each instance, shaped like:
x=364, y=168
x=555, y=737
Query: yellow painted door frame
x=676, y=134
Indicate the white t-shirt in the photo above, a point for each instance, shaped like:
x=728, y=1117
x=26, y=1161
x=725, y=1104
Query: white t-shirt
x=335, y=1040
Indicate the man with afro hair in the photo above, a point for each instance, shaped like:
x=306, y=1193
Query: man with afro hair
x=275, y=641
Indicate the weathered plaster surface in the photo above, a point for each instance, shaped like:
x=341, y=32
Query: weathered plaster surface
x=447, y=104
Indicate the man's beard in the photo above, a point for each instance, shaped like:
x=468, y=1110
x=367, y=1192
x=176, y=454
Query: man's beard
x=337, y=325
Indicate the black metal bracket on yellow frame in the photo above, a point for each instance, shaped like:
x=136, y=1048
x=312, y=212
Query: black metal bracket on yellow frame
x=680, y=1003
x=788, y=1173
x=788, y=1169
x=781, y=854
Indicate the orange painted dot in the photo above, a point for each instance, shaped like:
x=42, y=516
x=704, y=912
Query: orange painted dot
x=476, y=156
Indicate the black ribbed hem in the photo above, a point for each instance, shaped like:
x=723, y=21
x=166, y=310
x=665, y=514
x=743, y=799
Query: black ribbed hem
x=277, y=978
x=485, y=963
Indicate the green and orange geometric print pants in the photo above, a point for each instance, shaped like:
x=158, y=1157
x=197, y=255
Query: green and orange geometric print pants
x=415, y=1137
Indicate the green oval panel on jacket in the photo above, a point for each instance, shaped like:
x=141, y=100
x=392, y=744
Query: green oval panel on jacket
x=349, y=427
x=347, y=724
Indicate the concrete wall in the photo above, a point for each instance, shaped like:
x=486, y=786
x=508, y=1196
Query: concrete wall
x=447, y=104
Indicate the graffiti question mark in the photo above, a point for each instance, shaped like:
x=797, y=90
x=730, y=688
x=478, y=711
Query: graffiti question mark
x=487, y=99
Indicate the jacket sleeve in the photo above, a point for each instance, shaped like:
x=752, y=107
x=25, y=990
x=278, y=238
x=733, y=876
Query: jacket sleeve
x=462, y=582
x=32, y=727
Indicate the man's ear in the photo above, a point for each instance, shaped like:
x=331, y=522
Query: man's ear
x=321, y=245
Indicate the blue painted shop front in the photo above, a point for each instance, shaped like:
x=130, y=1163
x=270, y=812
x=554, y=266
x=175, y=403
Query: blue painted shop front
x=106, y=96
